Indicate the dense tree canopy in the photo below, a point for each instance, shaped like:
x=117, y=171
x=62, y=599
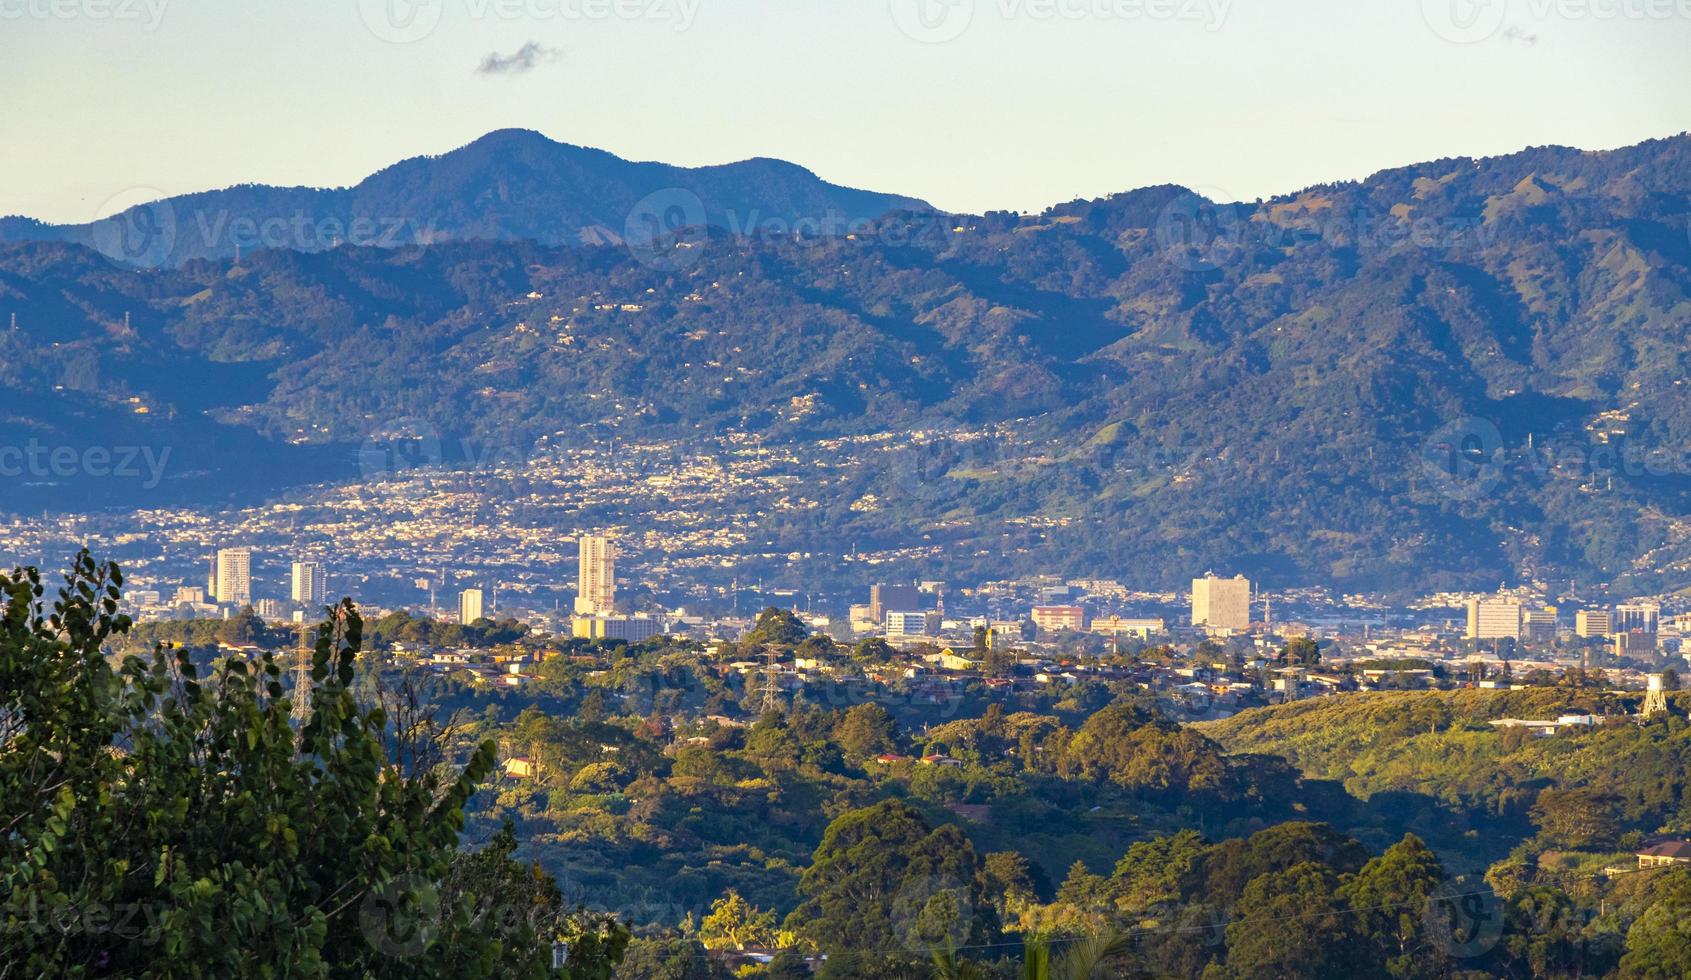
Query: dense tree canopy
x=161, y=822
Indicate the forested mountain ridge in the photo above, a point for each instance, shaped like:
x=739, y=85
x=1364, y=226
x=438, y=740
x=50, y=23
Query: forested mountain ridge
x=1454, y=373
x=509, y=185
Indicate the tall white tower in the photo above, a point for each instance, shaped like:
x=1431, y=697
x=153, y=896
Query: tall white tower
x=469, y=606
x=595, y=588
x=234, y=576
x=310, y=585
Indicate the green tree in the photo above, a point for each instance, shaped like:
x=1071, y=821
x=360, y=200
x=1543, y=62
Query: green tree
x=1658, y=945
x=777, y=626
x=864, y=731
x=1288, y=924
x=1390, y=896
x=1575, y=818
x=884, y=880
x=734, y=923
x=873, y=651
x=252, y=848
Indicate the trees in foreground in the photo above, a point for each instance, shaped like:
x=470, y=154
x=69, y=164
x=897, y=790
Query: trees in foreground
x=155, y=822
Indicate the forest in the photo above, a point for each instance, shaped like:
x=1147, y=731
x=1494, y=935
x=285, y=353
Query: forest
x=654, y=811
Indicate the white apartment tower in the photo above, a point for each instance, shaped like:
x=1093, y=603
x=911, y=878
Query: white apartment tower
x=596, y=585
x=234, y=576
x=310, y=585
x=1221, y=603
x=469, y=606
x=1493, y=619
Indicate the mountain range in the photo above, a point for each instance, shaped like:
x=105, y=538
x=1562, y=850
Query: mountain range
x=1449, y=374
x=510, y=185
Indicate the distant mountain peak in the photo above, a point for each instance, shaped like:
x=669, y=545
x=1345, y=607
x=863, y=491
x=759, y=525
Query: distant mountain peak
x=510, y=185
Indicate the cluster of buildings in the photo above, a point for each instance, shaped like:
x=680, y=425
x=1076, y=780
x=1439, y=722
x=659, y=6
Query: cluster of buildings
x=1220, y=607
x=1633, y=628
x=228, y=589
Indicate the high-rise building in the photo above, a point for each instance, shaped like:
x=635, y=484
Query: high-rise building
x=901, y=623
x=1538, y=625
x=1493, y=619
x=886, y=598
x=1636, y=617
x=310, y=585
x=469, y=606
x=595, y=585
x=1055, y=619
x=1637, y=643
x=1591, y=623
x=234, y=576
x=1221, y=603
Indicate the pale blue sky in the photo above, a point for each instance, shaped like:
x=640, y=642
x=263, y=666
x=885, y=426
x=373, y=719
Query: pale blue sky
x=993, y=104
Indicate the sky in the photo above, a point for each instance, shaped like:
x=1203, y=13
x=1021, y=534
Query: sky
x=969, y=104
